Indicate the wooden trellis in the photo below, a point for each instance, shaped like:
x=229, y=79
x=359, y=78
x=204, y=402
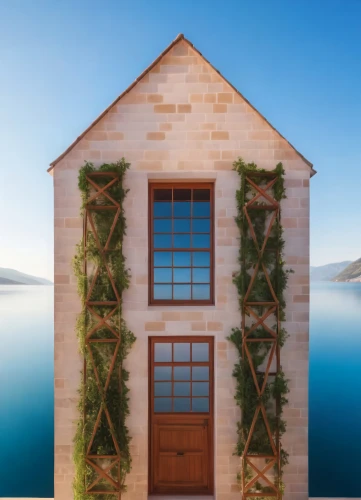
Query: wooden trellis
x=262, y=200
x=106, y=467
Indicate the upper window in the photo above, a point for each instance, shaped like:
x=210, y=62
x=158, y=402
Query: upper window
x=181, y=243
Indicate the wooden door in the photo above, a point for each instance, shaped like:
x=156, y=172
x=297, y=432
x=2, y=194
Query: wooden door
x=181, y=415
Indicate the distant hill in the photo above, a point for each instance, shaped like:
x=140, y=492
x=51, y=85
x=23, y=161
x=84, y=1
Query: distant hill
x=328, y=271
x=13, y=277
x=351, y=273
x=5, y=281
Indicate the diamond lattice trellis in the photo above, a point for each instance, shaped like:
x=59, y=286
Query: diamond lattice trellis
x=261, y=465
x=102, y=334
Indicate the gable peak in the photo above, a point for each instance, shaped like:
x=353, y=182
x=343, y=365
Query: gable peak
x=179, y=38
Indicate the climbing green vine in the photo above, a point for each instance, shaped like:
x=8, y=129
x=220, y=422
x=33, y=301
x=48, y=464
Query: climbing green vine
x=274, y=396
x=90, y=398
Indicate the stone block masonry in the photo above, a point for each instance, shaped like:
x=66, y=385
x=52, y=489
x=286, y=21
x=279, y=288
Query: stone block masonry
x=182, y=122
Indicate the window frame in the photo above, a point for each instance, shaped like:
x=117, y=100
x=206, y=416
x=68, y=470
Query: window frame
x=179, y=185
x=210, y=364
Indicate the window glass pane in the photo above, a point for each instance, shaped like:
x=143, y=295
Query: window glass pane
x=162, y=404
x=201, y=225
x=182, y=373
x=182, y=241
x=162, y=373
x=182, y=292
x=162, y=388
x=182, y=404
x=162, y=209
x=200, y=389
x=182, y=389
x=182, y=225
x=182, y=352
x=201, y=194
x=200, y=404
x=162, y=275
x=182, y=259
x=200, y=352
x=163, y=259
x=162, y=352
x=201, y=259
x=162, y=292
x=201, y=275
x=200, y=241
x=182, y=209
x=201, y=209
x=201, y=292
x=162, y=241
x=182, y=194
x=163, y=225
x=162, y=194
x=182, y=275
x=200, y=373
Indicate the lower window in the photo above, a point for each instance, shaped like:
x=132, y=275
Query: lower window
x=181, y=375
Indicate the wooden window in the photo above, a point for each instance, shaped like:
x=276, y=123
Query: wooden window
x=181, y=243
x=181, y=374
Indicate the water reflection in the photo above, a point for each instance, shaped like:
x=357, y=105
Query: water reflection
x=335, y=388
x=26, y=388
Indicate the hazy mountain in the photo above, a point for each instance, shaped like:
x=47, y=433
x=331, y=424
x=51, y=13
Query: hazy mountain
x=351, y=272
x=5, y=281
x=328, y=271
x=14, y=277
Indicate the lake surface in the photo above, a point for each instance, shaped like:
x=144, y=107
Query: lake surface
x=26, y=389
x=335, y=390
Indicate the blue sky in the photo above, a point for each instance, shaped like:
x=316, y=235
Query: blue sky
x=62, y=63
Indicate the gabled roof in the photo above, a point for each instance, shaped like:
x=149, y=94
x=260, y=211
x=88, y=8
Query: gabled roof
x=147, y=70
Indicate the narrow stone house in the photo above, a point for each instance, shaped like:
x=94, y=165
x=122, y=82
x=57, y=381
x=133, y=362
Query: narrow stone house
x=181, y=125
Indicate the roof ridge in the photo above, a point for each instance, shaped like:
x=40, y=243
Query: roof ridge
x=178, y=38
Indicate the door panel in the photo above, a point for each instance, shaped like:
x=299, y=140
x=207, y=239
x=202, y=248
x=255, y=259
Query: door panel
x=182, y=452
x=183, y=438
x=181, y=415
x=184, y=470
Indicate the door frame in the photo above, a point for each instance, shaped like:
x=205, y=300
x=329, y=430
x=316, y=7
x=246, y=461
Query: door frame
x=211, y=461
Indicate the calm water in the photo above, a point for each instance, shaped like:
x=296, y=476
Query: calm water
x=26, y=389
x=335, y=390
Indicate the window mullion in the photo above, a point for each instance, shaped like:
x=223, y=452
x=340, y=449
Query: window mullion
x=172, y=243
x=191, y=230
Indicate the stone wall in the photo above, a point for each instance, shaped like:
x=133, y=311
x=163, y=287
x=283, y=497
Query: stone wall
x=182, y=121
